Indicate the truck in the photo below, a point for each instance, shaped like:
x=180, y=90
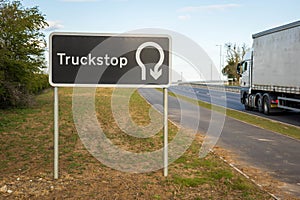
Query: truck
x=270, y=71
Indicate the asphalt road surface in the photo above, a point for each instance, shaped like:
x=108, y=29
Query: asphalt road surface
x=272, y=152
x=232, y=100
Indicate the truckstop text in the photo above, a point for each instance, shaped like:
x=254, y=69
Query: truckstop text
x=90, y=60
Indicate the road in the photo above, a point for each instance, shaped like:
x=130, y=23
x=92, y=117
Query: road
x=233, y=102
x=260, y=148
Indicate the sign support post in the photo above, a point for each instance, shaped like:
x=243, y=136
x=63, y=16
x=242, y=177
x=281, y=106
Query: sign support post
x=165, y=91
x=56, y=135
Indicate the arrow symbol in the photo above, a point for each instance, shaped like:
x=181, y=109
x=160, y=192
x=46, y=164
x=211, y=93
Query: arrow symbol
x=156, y=73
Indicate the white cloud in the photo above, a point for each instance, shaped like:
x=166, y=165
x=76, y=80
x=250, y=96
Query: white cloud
x=54, y=25
x=184, y=17
x=215, y=7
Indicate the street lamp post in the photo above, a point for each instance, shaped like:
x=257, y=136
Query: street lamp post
x=181, y=77
x=211, y=68
x=219, y=45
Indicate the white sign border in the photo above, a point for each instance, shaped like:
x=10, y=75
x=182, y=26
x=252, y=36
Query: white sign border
x=110, y=85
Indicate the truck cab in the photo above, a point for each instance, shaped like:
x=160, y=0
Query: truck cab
x=244, y=69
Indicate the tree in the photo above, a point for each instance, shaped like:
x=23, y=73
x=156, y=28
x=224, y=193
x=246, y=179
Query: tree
x=22, y=47
x=235, y=54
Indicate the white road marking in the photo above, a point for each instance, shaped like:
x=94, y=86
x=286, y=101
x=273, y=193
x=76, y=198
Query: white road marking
x=264, y=140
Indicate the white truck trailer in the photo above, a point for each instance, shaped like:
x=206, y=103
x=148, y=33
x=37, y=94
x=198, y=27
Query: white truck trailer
x=270, y=73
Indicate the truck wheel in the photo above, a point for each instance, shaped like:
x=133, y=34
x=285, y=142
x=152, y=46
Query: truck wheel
x=260, y=104
x=266, y=105
x=246, y=103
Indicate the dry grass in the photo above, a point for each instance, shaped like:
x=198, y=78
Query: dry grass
x=26, y=145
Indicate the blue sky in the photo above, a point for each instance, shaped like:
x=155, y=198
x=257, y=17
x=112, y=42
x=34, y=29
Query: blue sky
x=207, y=22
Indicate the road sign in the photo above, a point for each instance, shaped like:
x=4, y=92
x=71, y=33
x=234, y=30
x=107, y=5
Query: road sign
x=109, y=60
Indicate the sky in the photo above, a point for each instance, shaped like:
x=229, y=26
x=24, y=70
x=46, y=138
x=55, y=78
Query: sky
x=207, y=22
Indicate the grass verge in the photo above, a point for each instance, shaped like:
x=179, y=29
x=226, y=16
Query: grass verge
x=26, y=160
x=261, y=122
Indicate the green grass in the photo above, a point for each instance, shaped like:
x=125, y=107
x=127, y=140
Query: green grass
x=261, y=122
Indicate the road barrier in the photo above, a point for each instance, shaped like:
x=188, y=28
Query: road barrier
x=235, y=89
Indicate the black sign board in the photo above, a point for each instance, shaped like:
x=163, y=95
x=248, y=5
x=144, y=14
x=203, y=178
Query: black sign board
x=109, y=60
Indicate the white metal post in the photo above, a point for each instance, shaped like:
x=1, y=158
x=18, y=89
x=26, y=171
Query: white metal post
x=56, y=133
x=220, y=45
x=165, y=131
